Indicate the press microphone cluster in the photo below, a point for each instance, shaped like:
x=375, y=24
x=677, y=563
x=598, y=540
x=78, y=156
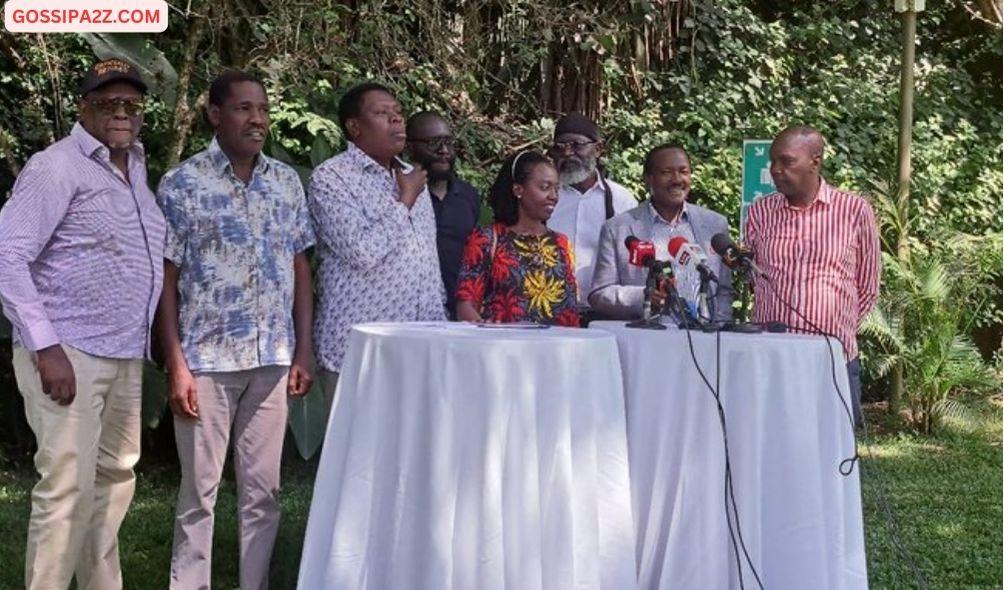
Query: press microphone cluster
x=687, y=253
x=642, y=253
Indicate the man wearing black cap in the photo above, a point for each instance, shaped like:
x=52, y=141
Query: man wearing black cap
x=585, y=198
x=81, y=249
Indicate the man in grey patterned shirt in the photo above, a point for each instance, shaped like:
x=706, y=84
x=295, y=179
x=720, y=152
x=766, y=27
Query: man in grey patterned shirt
x=235, y=322
x=375, y=228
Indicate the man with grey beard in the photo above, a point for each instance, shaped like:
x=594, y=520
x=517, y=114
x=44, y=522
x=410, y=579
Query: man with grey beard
x=585, y=198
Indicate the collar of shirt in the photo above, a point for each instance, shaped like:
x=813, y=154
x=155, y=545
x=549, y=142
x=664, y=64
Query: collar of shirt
x=89, y=145
x=364, y=161
x=656, y=218
x=823, y=196
x=222, y=163
x=451, y=189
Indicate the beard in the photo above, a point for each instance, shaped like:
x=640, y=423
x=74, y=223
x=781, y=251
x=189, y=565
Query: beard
x=440, y=175
x=575, y=170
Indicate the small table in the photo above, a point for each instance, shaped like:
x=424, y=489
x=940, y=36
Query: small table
x=465, y=457
x=788, y=434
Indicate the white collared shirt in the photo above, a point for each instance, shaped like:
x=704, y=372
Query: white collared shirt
x=580, y=216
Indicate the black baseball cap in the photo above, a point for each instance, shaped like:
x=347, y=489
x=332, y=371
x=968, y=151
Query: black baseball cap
x=111, y=70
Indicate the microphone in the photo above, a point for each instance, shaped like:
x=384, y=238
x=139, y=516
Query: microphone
x=732, y=255
x=686, y=253
x=640, y=253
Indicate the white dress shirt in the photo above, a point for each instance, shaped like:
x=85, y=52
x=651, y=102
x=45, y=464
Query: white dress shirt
x=580, y=216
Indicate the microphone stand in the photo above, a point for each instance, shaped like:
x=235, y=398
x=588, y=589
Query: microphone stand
x=744, y=326
x=676, y=305
x=650, y=321
x=705, y=302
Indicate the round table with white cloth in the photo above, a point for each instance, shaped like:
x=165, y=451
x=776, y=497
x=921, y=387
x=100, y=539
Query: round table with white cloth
x=788, y=434
x=468, y=457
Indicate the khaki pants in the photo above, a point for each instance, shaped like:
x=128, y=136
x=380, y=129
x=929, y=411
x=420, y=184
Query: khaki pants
x=86, y=453
x=251, y=404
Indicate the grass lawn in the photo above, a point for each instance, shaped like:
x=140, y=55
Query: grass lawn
x=945, y=493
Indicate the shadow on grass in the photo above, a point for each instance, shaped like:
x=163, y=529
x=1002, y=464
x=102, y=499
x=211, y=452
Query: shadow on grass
x=147, y=532
x=945, y=496
x=944, y=491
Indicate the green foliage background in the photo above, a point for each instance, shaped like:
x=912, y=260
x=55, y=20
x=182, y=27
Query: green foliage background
x=702, y=73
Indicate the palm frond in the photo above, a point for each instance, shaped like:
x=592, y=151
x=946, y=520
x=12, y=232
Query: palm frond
x=956, y=411
x=934, y=284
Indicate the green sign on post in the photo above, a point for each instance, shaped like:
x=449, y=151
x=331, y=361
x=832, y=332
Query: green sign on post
x=756, y=177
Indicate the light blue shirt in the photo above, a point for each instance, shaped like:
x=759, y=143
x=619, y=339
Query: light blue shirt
x=688, y=280
x=234, y=245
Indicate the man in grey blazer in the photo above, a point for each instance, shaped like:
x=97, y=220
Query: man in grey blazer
x=617, y=289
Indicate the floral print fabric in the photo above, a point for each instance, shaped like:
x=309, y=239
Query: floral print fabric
x=528, y=279
x=377, y=259
x=234, y=244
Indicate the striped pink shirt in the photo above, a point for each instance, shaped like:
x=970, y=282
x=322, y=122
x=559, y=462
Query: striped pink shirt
x=822, y=259
x=81, y=251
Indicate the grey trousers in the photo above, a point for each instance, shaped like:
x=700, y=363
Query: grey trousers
x=252, y=405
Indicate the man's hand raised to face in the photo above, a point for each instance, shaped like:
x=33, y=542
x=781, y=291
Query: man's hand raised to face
x=411, y=184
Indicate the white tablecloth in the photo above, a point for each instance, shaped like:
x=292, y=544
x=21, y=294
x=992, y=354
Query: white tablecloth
x=788, y=433
x=473, y=458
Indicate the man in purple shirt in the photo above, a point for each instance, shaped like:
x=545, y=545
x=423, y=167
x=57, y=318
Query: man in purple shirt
x=81, y=249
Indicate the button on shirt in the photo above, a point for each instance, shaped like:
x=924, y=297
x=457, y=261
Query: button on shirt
x=81, y=251
x=580, y=216
x=234, y=245
x=456, y=215
x=823, y=260
x=377, y=258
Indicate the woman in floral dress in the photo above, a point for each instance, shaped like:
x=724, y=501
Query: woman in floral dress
x=517, y=270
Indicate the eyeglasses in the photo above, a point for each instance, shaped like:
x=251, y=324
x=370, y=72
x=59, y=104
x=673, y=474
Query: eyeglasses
x=110, y=106
x=575, y=146
x=437, y=143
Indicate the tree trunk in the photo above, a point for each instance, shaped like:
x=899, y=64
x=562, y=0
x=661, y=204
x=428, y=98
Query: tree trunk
x=183, y=113
x=990, y=10
x=905, y=136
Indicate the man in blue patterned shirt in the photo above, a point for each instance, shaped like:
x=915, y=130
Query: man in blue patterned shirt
x=376, y=231
x=235, y=325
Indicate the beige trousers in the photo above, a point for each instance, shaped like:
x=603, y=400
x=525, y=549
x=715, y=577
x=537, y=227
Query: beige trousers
x=86, y=453
x=252, y=406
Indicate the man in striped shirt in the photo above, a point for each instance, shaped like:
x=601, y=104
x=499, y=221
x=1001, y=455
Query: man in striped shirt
x=818, y=247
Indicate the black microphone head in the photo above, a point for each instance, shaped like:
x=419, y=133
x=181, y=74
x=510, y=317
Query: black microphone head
x=630, y=241
x=722, y=243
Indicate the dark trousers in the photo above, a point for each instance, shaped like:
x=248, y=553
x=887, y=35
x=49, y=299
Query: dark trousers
x=854, y=378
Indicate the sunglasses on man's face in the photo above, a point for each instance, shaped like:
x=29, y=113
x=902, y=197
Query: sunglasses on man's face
x=575, y=146
x=109, y=106
x=437, y=143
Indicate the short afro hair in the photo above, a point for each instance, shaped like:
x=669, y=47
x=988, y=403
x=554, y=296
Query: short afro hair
x=219, y=88
x=352, y=101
